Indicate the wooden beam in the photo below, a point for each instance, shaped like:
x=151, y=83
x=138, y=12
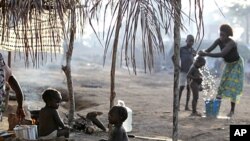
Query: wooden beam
x=9, y=59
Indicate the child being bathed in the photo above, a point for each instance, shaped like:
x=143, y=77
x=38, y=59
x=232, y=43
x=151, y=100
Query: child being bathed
x=50, y=123
x=195, y=77
x=117, y=115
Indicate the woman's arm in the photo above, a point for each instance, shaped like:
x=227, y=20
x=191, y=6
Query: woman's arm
x=223, y=52
x=19, y=96
x=213, y=46
x=9, y=77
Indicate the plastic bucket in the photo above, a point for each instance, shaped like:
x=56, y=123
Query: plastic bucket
x=212, y=107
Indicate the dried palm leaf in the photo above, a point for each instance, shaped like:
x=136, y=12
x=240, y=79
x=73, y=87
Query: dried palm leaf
x=37, y=27
x=148, y=17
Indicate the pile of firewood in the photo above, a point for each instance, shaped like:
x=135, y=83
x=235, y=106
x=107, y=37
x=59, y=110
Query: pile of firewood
x=87, y=124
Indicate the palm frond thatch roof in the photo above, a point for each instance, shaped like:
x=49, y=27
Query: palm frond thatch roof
x=34, y=27
x=25, y=19
x=151, y=18
x=36, y=34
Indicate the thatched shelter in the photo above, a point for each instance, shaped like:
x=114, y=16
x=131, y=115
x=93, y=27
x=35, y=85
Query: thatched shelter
x=38, y=27
x=32, y=26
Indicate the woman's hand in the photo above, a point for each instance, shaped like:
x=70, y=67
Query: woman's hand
x=20, y=113
x=202, y=53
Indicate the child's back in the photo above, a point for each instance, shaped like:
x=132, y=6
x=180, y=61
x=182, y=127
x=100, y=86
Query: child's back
x=50, y=123
x=118, y=134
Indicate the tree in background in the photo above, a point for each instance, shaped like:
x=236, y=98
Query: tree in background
x=238, y=12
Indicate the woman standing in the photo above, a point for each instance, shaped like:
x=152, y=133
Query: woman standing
x=231, y=84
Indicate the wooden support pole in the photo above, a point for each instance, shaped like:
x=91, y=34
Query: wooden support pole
x=177, y=38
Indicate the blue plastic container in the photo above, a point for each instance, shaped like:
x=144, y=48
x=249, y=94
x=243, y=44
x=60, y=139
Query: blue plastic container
x=212, y=107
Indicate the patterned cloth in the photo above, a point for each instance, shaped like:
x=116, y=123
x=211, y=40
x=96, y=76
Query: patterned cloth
x=2, y=79
x=231, y=84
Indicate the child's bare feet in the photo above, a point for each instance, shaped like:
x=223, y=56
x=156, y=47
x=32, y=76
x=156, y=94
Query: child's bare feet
x=218, y=97
x=196, y=114
x=230, y=114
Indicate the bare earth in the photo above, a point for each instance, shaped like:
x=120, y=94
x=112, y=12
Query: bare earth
x=150, y=96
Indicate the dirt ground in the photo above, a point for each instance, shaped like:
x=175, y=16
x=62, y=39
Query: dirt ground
x=150, y=96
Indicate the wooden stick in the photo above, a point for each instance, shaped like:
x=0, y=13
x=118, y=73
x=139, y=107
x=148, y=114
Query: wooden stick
x=147, y=138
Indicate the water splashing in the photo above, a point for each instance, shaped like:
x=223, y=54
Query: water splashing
x=208, y=84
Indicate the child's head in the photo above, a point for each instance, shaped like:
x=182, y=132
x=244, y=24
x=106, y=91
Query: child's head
x=117, y=115
x=190, y=40
x=52, y=97
x=200, y=62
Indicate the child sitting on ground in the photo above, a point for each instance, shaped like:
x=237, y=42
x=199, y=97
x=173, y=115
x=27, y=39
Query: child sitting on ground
x=195, y=77
x=117, y=115
x=50, y=123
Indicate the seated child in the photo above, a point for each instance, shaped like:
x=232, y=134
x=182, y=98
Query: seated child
x=117, y=115
x=195, y=77
x=50, y=123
